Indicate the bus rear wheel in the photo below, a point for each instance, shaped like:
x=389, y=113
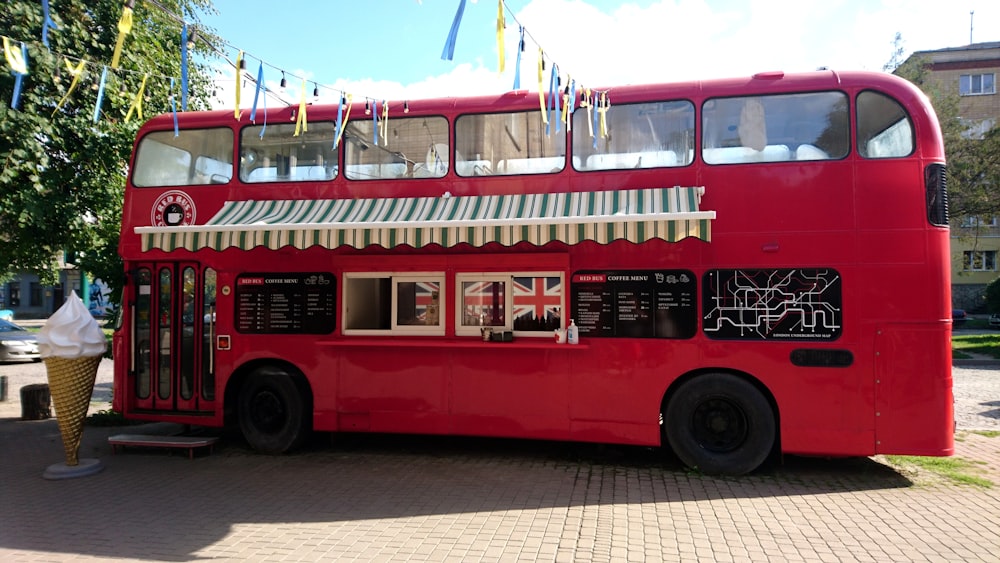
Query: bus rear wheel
x=720, y=424
x=272, y=412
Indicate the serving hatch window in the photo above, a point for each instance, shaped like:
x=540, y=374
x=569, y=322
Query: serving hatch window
x=380, y=303
x=193, y=157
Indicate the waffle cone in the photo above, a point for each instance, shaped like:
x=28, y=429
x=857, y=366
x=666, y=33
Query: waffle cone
x=71, y=382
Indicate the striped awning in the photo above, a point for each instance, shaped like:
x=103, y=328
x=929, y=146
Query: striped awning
x=636, y=215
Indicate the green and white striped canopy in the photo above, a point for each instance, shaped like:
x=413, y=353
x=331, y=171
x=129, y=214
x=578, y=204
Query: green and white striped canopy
x=636, y=215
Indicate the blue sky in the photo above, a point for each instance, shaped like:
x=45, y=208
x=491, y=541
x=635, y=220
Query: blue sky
x=392, y=48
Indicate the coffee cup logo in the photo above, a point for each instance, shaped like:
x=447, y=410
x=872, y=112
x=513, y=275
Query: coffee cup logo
x=173, y=209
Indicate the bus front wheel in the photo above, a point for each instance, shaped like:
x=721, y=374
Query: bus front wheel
x=272, y=412
x=721, y=424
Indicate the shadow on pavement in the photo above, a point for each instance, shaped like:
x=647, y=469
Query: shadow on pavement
x=149, y=504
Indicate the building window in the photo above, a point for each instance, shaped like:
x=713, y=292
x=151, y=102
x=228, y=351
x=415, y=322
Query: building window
x=975, y=221
x=14, y=294
x=35, y=297
x=976, y=84
x=979, y=261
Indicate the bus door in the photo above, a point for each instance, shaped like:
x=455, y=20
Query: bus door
x=172, y=362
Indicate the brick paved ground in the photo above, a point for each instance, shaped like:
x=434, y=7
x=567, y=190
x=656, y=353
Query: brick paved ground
x=391, y=498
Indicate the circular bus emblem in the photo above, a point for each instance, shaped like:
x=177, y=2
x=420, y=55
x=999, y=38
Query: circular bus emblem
x=172, y=209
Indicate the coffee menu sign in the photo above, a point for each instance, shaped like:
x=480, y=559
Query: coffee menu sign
x=635, y=304
x=286, y=303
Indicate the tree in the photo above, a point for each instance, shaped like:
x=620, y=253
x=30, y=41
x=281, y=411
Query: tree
x=992, y=296
x=973, y=153
x=62, y=175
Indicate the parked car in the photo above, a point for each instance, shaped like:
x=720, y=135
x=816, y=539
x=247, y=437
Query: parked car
x=6, y=315
x=995, y=320
x=958, y=317
x=16, y=343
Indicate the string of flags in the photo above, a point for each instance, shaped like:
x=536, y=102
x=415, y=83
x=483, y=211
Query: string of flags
x=556, y=103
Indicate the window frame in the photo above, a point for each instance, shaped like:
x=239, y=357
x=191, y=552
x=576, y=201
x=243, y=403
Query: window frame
x=756, y=127
x=139, y=163
x=395, y=279
x=580, y=136
x=507, y=277
x=969, y=260
x=967, y=81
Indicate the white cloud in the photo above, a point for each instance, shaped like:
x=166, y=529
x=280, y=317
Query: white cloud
x=676, y=40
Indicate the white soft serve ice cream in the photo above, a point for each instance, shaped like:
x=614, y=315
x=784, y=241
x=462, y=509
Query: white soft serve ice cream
x=71, y=332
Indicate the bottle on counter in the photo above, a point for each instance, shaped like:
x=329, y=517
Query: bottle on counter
x=572, y=333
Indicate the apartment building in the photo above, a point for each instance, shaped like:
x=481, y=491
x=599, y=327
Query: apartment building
x=971, y=72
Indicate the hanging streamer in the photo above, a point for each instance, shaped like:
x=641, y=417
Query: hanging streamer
x=47, y=23
x=565, y=103
x=256, y=93
x=18, y=61
x=124, y=28
x=137, y=101
x=375, y=123
x=343, y=117
x=184, y=67
x=301, y=124
x=385, y=123
x=553, y=99
x=239, y=80
x=501, y=24
x=100, y=94
x=260, y=80
x=449, y=45
x=517, y=69
x=541, y=86
x=76, y=73
x=592, y=114
x=572, y=104
x=173, y=107
x=603, y=110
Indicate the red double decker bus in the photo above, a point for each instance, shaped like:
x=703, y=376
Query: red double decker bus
x=752, y=266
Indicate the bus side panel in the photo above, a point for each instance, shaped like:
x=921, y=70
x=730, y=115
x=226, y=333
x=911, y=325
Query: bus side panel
x=826, y=411
x=391, y=389
x=914, y=410
x=503, y=390
x=617, y=386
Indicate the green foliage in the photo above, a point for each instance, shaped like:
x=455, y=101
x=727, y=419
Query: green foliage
x=973, y=161
x=992, y=296
x=62, y=176
x=985, y=344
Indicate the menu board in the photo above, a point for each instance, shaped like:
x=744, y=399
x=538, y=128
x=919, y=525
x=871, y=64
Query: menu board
x=635, y=304
x=286, y=303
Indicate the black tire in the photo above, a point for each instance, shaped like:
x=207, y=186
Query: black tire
x=273, y=412
x=720, y=424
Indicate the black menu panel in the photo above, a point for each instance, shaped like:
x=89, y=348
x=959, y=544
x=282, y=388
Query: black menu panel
x=286, y=303
x=635, y=304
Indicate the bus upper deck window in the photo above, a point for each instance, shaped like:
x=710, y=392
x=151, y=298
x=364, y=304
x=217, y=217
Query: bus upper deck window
x=506, y=144
x=776, y=128
x=884, y=127
x=194, y=157
x=281, y=156
x=411, y=147
x=646, y=135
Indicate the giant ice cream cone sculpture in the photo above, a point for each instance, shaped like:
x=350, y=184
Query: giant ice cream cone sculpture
x=71, y=344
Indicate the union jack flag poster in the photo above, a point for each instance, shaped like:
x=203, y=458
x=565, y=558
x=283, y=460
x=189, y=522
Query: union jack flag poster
x=537, y=303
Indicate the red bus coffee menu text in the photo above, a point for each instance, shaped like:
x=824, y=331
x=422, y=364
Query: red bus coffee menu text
x=636, y=304
x=286, y=303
